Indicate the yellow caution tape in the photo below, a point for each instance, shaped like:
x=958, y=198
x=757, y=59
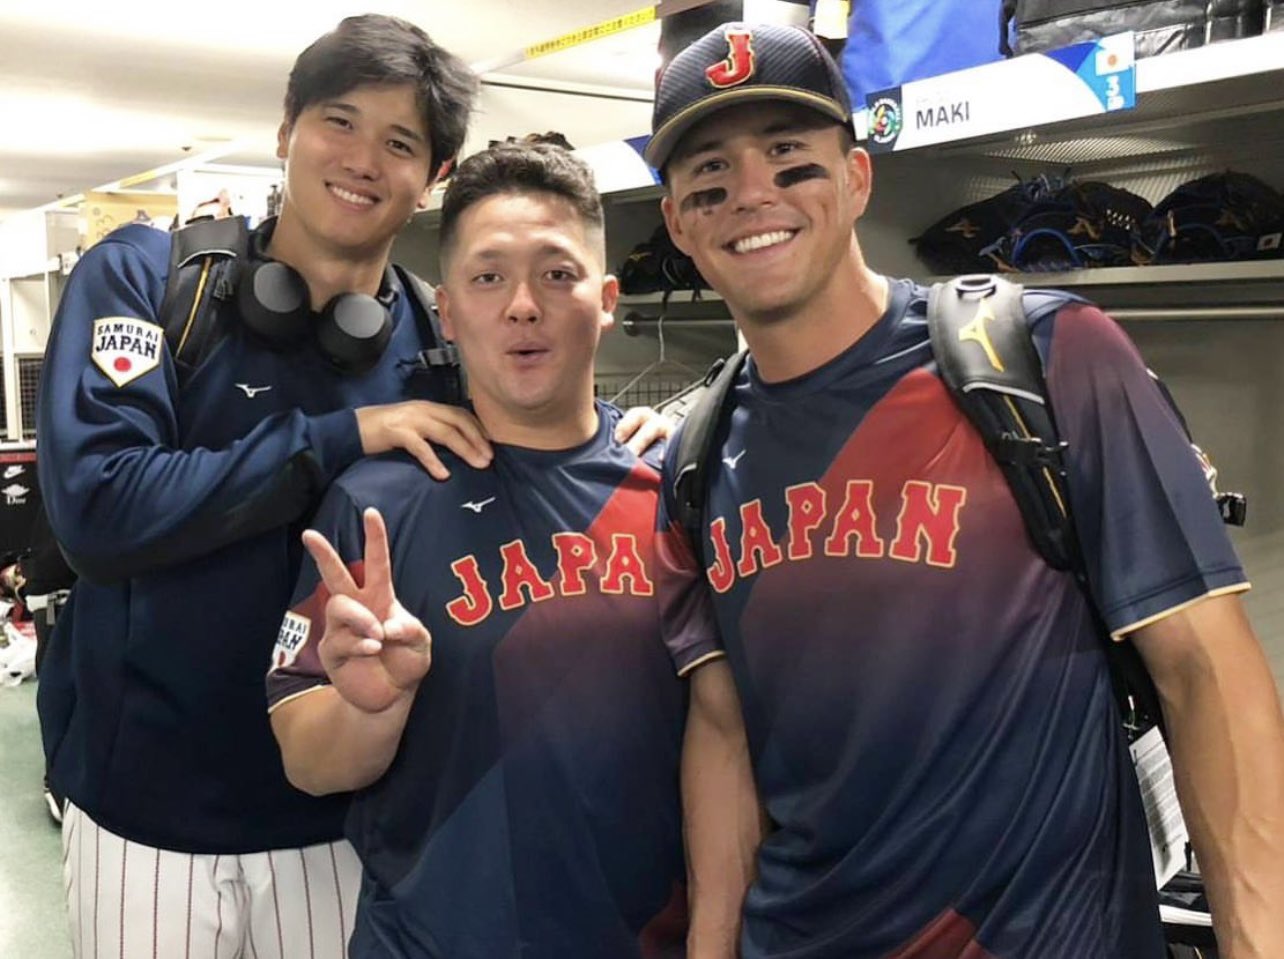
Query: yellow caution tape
x=639, y=18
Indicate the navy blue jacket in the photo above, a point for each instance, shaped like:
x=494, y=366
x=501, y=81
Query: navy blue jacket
x=181, y=510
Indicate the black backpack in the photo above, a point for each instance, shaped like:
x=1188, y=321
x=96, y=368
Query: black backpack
x=1011, y=411
x=202, y=276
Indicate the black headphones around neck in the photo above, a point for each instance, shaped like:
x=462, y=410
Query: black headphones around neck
x=352, y=330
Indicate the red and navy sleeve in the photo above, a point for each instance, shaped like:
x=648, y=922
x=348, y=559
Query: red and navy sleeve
x=686, y=606
x=1150, y=532
x=296, y=662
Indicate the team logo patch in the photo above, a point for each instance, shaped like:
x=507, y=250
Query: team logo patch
x=885, y=120
x=125, y=348
x=740, y=62
x=293, y=634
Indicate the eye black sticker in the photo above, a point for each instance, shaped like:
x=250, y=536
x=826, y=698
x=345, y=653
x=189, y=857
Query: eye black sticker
x=798, y=174
x=704, y=200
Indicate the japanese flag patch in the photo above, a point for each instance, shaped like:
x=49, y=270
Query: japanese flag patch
x=293, y=634
x=125, y=348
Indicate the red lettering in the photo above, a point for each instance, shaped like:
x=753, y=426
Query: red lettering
x=739, y=65
x=928, y=513
x=856, y=519
x=625, y=563
x=520, y=572
x=575, y=554
x=475, y=604
x=806, y=513
x=722, y=573
x=757, y=549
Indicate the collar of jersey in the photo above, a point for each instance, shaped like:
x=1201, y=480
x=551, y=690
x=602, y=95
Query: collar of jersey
x=864, y=352
x=606, y=421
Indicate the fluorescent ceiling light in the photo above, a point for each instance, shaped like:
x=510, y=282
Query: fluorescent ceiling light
x=59, y=125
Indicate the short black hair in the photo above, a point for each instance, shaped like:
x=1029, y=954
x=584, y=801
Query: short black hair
x=519, y=168
x=378, y=49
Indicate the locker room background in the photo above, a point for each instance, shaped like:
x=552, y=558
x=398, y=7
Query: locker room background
x=1213, y=334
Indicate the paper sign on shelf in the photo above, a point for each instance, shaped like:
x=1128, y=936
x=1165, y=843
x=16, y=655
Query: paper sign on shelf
x=1099, y=76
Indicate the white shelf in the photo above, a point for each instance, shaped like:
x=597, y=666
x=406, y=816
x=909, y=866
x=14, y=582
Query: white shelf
x=52, y=267
x=1216, y=61
x=1174, y=274
x=1240, y=290
x=1196, y=291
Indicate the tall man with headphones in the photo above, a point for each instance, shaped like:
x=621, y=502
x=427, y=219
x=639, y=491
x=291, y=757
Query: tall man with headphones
x=180, y=505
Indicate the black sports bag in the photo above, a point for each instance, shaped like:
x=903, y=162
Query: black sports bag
x=1161, y=26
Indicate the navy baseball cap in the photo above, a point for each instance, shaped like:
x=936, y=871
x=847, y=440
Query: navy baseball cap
x=739, y=62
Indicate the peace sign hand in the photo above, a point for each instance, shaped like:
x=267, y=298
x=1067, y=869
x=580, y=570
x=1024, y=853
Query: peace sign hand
x=373, y=650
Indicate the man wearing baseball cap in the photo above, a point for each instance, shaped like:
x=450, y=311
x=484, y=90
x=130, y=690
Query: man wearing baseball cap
x=920, y=698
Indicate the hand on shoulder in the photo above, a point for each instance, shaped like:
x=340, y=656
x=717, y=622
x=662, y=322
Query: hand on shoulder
x=417, y=425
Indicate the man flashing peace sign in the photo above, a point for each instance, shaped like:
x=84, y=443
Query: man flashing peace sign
x=373, y=650
x=521, y=795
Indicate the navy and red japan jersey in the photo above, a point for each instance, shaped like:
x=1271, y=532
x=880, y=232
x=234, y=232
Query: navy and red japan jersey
x=533, y=807
x=927, y=703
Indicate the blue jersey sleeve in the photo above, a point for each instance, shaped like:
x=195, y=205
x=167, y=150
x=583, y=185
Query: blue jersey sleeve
x=687, y=619
x=296, y=662
x=123, y=496
x=1149, y=528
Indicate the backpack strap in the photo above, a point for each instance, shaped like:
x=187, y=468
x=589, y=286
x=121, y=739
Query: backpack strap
x=691, y=472
x=982, y=344
x=987, y=358
x=439, y=354
x=201, y=260
x=202, y=257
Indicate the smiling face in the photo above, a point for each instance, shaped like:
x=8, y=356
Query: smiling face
x=357, y=167
x=764, y=197
x=525, y=299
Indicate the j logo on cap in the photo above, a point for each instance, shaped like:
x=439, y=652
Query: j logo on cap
x=736, y=63
x=738, y=67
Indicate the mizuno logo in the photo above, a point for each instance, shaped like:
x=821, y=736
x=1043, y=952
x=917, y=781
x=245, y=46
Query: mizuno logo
x=1084, y=227
x=252, y=391
x=975, y=331
x=734, y=461
x=477, y=507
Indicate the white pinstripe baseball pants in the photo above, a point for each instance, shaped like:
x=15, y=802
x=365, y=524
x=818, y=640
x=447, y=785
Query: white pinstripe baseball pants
x=130, y=901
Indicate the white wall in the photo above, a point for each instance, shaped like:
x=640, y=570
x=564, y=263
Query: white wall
x=1226, y=378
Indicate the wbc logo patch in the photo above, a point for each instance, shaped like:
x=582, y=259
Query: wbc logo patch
x=293, y=634
x=739, y=65
x=125, y=348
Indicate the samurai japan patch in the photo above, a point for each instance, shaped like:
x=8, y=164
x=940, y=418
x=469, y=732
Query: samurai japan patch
x=125, y=348
x=293, y=634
